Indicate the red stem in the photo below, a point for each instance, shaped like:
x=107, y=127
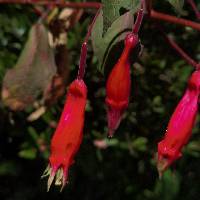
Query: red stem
x=174, y=20
x=37, y=11
x=147, y=7
x=82, y=62
x=194, y=7
x=91, y=26
x=83, y=55
x=94, y=5
x=139, y=19
x=179, y=50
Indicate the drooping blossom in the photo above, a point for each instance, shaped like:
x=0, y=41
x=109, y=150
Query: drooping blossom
x=118, y=85
x=180, y=125
x=68, y=135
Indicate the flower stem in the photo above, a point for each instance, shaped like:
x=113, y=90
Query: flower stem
x=94, y=5
x=179, y=50
x=172, y=19
x=140, y=16
x=83, y=56
x=147, y=7
x=82, y=62
x=195, y=9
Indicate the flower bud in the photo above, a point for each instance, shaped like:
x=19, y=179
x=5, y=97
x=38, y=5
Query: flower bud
x=68, y=135
x=118, y=85
x=180, y=125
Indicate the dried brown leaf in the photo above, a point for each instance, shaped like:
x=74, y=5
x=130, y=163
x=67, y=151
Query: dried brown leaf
x=30, y=77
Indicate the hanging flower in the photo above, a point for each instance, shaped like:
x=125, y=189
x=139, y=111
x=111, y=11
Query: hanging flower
x=118, y=85
x=180, y=125
x=68, y=135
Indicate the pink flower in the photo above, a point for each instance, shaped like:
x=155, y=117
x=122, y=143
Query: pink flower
x=68, y=135
x=180, y=125
x=118, y=85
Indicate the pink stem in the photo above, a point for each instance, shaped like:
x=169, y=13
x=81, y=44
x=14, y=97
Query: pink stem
x=95, y=5
x=83, y=56
x=172, y=19
x=180, y=51
x=139, y=19
x=87, y=5
x=147, y=7
x=195, y=9
x=82, y=63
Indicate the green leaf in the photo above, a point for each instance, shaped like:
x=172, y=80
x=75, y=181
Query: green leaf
x=115, y=35
x=33, y=72
x=113, y=9
x=178, y=6
x=193, y=148
x=140, y=143
x=168, y=187
x=112, y=142
x=28, y=153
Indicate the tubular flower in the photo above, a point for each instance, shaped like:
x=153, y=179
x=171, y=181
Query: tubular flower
x=118, y=85
x=180, y=125
x=68, y=135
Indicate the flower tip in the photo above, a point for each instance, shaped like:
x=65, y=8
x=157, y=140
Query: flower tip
x=162, y=165
x=61, y=178
x=63, y=185
x=46, y=172
x=50, y=180
x=160, y=174
x=110, y=133
x=114, y=119
x=60, y=175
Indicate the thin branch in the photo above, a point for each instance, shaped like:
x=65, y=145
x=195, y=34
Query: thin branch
x=94, y=5
x=179, y=50
x=174, y=20
x=91, y=26
x=37, y=11
x=45, y=14
x=195, y=9
x=83, y=56
x=140, y=16
x=82, y=62
x=147, y=7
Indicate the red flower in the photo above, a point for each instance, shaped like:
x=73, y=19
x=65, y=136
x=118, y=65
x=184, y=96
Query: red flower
x=68, y=135
x=118, y=85
x=180, y=126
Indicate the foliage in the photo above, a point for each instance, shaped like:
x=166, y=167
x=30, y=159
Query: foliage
x=178, y=6
x=113, y=9
x=115, y=34
x=118, y=168
x=33, y=72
